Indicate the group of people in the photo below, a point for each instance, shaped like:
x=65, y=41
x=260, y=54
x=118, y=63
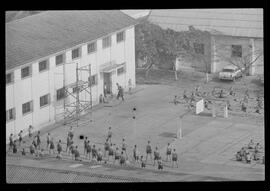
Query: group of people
x=249, y=153
x=115, y=153
x=197, y=93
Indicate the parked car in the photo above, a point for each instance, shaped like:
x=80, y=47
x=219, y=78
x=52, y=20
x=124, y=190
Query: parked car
x=230, y=72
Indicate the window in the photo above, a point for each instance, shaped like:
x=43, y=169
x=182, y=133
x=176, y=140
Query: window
x=120, y=71
x=59, y=59
x=26, y=71
x=44, y=100
x=27, y=107
x=75, y=89
x=236, y=51
x=92, y=47
x=199, y=48
x=106, y=42
x=10, y=114
x=60, y=93
x=9, y=78
x=120, y=36
x=76, y=53
x=43, y=65
x=93, y=80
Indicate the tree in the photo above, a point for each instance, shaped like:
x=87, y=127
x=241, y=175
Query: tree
x=243, y=57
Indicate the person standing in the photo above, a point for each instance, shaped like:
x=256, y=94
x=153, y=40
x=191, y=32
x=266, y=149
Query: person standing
x=30, y=130
x=11, y=142
x=76, y=154
x=111, y=152
x=122, y=159
x=105, y=90
x=148, y=151
x=124, y=147
x=85, y=145
x=174, y=158
x=88, y=150
x=121, y=92
x=71, y=132
x=135, y=154
x=99, y=156
x=118, y=93
x=117, y=155
x=51, y=147
x=156, y=156
x=38, y=140
x=48, y=140
x=14, y=147
x=168, y=152
x=94, y=152
x=20, y=137
x=160, y=164
x=59, y=150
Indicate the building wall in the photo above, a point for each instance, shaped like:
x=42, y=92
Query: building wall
x=41, y=83
x=221, y=51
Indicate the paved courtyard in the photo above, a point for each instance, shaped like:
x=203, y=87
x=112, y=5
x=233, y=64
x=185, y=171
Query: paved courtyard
x=206, y=149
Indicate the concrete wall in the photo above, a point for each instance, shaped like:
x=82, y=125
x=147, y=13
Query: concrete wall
x=41, y=83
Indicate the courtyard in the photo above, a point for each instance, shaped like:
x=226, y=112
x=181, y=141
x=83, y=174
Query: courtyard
x=206, y=150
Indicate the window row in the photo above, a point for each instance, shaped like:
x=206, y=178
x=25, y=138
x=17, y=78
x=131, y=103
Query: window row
x=60, y=59
x=45, y=100
x=27, y=107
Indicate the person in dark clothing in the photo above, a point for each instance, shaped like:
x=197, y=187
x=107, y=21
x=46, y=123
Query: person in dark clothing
x=156, y=156
x=94, y=152
x=38, y=140
x=148, y=151
x=59, y=150
x=160, y=164
x=20, y=137
x=142, y=162
x=76, y=154
x=88, y=149
x=11, y=142
x=32, y=149
x=117, y=155
x=122, y=159
x=14, y=147
x=23, y=152
x=51, y=147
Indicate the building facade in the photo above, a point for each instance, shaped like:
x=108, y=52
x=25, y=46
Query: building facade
x=35, y=89
x=235, y=35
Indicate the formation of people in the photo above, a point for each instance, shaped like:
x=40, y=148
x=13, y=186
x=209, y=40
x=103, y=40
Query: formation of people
x=93, y=152
x=250, y=152
x=197, y=94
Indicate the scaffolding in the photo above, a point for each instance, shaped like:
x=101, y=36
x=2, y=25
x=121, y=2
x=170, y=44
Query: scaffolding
x=74, y=110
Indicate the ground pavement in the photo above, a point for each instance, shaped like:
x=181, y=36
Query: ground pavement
x=207, y=148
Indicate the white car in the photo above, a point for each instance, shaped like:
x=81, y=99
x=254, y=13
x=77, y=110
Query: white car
x=230, y=72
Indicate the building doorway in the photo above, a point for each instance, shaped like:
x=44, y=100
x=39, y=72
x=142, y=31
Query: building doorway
x=107, y=86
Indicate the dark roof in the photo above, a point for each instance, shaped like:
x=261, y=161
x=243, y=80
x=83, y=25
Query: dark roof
x=40, y=35
x=232, y=22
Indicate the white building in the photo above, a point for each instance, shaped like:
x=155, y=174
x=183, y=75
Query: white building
x=40, y=47
x=235, y=34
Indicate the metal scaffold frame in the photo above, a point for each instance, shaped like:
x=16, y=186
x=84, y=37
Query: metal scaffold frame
x=71, y=114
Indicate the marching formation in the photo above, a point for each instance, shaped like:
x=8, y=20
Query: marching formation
x=110, y=153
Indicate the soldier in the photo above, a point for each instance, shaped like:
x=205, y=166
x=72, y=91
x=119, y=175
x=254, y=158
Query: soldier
x=88, y=150
x=59, y=150
x=135, y=154
x=38, y=140
x=20, y=137
x=156, y=155
x=168, y=152
x=174, y=158
x=148, y=151
x=11, y=142
x=124, y=147
x=117, y=155
x=94, y=152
